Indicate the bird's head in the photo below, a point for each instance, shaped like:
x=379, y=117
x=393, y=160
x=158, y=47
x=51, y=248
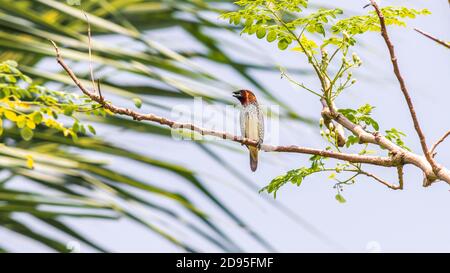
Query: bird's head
x=246, y=97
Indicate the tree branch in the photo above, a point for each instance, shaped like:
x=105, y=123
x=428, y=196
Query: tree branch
x=382, y=181
x=439, y=41
x=327, y=118
x=433, y=148
x=400, y=176
x=435, y=167
x=399, y=156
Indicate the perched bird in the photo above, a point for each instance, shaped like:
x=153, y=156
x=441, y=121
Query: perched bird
x=252, y=122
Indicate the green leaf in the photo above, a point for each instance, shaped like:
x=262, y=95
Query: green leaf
x=361, y=115
x=366, y=109
x=76, y=127
x=37, y=117
x=137, y=102
x=26, y=133
x=21, y=121
x=68, y=110
x=295, y=176
x=30, y=124
x=340, y=198
x=91, y=129
x=283, y=44
x=395, y=136
x=260, y=33
x=10, y=115
x=362, y=23
x=272, y=36
x=351, y=140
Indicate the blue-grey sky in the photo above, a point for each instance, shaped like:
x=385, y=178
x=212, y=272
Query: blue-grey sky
x=374, y=217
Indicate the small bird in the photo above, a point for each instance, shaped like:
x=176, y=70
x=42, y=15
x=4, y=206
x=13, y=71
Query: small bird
x=252, y=122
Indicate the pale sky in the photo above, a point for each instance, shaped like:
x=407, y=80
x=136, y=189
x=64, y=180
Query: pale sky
x=374, y=218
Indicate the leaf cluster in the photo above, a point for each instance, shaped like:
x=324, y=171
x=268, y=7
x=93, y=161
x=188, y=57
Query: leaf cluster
x=395, y=136
x=265, y=20
x=295, y=176
x=363, y=23
x=27, y=105
x=361, y=116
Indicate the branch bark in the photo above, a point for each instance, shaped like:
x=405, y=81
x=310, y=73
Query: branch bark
x=400, y=177
x=436, y=168
x=382, y=181
x=433, y=148
x=429, y=36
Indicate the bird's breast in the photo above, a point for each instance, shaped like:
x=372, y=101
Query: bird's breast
x=250, y=126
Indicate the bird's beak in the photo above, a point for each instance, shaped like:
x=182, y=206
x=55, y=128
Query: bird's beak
x=237, y=94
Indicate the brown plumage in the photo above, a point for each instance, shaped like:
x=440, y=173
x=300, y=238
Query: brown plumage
x=252, y=122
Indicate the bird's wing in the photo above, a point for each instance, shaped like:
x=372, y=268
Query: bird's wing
x=261, y=124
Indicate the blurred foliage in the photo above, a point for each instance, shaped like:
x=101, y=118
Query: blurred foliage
x=48, y=137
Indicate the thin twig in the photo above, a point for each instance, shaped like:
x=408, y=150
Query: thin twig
x=433, y=148
x=285, y=75
x=382, y=181
x=400, y=176
x=90, y=51
x=439, y=41
x=99, y=90
x=89, y=110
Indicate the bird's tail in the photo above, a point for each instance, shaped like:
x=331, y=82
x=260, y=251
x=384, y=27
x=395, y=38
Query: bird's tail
x=253, y=158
